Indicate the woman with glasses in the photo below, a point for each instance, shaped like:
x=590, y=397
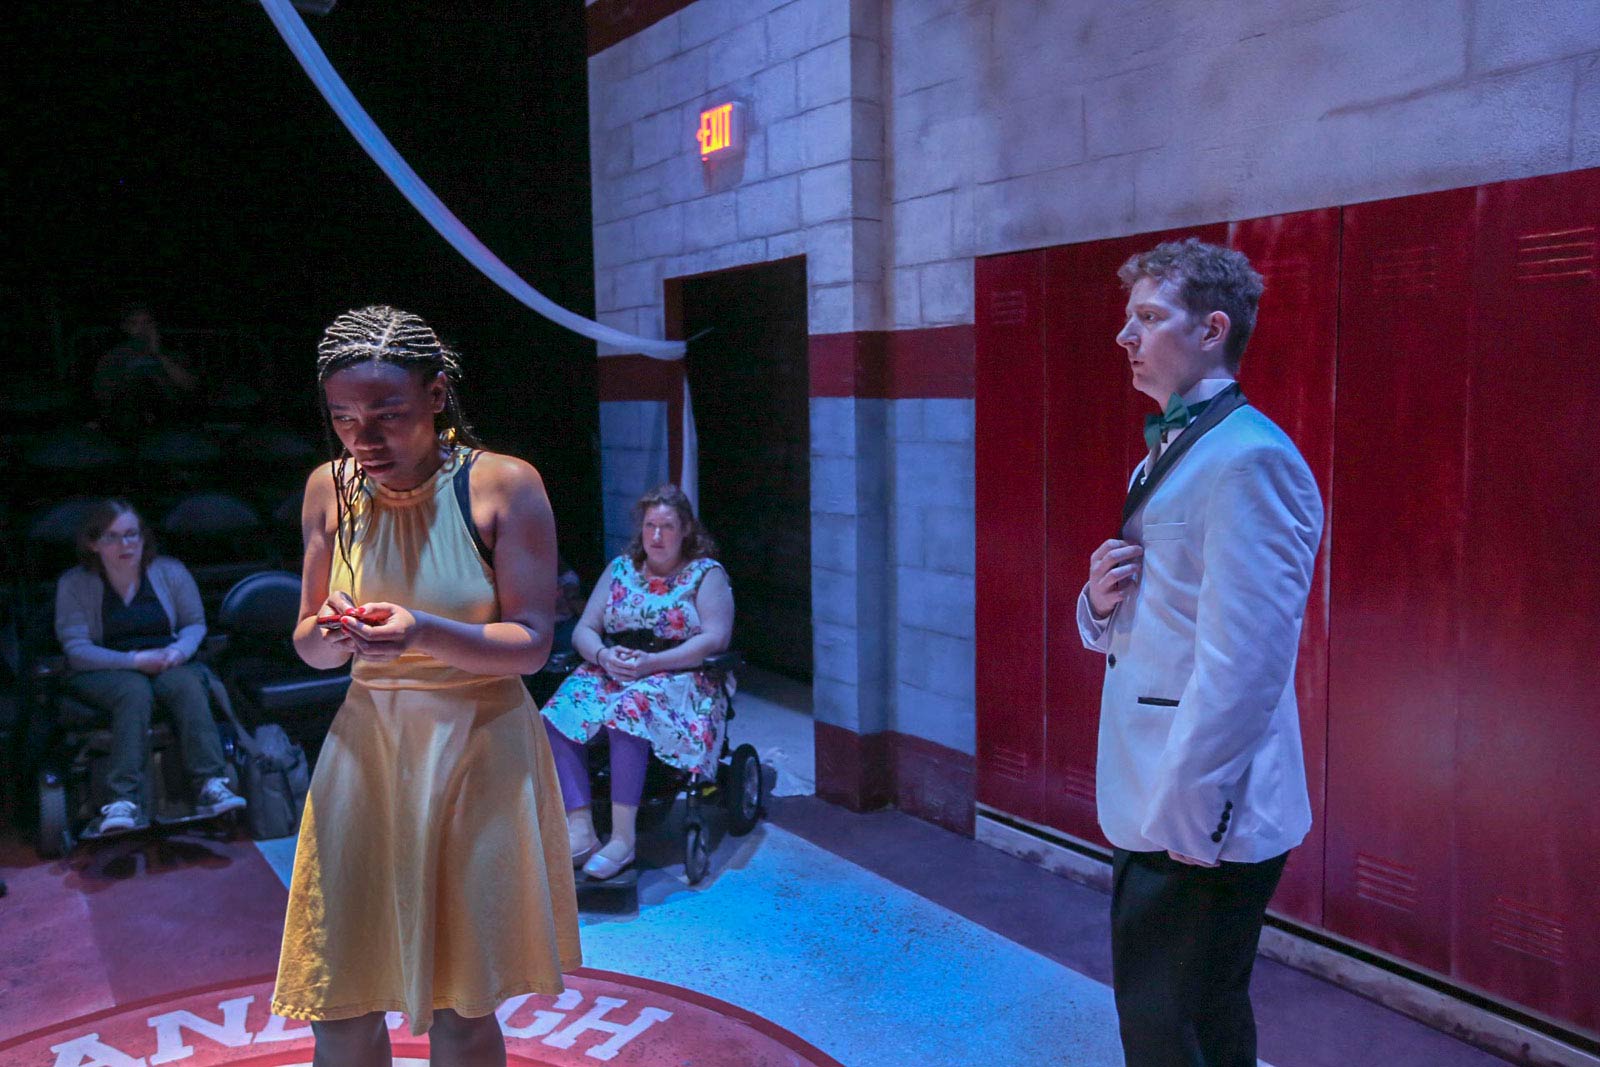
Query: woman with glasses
x=129, y=621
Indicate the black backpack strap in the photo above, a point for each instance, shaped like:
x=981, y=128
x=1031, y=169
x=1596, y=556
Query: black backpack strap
x=463, y=488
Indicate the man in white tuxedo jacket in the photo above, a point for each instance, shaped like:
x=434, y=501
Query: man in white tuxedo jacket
x=1197, y=606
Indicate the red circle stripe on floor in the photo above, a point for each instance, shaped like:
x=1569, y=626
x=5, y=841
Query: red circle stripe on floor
x=601, y=1018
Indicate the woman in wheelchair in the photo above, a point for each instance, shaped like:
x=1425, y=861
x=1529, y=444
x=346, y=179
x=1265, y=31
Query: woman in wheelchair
x=661, y=609
x=129, y=622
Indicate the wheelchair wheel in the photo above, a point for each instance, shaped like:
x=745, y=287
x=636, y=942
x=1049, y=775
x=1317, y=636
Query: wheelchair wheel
x=744, y=792
x=55, y=835
x=696, y=852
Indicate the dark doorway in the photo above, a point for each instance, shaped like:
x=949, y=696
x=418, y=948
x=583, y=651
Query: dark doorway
x=750, y=388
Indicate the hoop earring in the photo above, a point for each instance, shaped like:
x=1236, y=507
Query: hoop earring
x=447, y=436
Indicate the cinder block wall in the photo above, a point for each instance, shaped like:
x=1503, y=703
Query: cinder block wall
x=892, y=141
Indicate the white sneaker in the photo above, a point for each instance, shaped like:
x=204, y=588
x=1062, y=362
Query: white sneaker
x=216, y=798
x=118, y=816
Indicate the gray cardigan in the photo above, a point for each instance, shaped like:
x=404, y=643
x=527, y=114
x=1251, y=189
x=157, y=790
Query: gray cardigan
x=79, y=593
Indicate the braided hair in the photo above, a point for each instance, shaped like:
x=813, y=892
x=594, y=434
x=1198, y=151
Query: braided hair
x=388, y=335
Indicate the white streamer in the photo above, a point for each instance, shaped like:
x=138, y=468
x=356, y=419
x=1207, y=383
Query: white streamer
x=367, y=134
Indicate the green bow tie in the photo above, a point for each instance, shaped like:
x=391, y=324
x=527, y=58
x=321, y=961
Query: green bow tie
x=1176, y=417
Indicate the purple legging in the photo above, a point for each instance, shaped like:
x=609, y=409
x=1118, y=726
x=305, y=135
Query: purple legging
x=630, y=756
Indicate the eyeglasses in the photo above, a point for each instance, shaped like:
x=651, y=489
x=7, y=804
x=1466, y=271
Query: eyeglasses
x=132, y=537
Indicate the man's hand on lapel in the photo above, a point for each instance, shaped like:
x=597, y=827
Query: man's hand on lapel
x=1113, y=572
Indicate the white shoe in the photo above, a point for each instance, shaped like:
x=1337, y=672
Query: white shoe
x=216, y=798
x=603, y=868
x=119, y=816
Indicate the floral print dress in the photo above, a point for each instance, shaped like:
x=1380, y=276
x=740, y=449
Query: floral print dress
x=681, y=713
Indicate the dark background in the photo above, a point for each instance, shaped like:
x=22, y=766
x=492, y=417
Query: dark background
x=177, y=154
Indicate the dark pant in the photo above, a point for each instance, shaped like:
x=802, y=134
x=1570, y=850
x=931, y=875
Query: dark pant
x=131, y=698
x=1183, y=943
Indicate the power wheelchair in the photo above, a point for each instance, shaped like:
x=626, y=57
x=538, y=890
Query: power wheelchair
x=737, y=787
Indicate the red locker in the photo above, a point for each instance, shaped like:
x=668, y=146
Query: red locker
x=1009, y=453
x=1288, y=373
x=1528, y=832
x=1405, y=338
x=1094, y=441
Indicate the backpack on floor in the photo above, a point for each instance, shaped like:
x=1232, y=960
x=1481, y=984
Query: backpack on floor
x=275, y=779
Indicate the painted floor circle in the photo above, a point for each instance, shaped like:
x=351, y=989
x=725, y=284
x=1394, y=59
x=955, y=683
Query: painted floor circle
x=603, y=1017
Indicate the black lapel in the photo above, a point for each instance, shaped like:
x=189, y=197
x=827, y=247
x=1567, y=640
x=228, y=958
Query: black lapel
x=1224, y=404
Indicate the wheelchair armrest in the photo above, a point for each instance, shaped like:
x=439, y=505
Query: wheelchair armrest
x=724, y=662
x=561, y=664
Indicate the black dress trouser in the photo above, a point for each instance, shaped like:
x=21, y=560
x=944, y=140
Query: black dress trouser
x=1183, y=943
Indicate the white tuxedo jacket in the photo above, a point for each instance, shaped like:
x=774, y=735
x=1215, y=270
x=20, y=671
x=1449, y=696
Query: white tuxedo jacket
x=1199, y=730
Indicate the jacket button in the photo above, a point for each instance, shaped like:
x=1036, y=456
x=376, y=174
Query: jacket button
x=1111, y=660
x=1217, y=837
x=1228, y=806
x=1222, y=827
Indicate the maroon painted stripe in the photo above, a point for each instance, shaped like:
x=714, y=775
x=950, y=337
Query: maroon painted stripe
x=640, y=378
x=919, y=777
x=934, y=363
x=614, y=21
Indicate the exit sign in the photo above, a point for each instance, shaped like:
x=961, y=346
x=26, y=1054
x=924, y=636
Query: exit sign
x=721, y=130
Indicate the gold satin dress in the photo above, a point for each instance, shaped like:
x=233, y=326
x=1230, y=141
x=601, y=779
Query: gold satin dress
x=432, y=869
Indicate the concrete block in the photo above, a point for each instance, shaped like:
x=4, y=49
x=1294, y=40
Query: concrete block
x=610, y=66
x=940, y=49
x=1586, y=115
x=833, y=485
x=773, y=92
x=833, y=542
x=769, y=207
x=825, y=193
x=632, y=424
x=1364, y=55
x=614, y=243
x=833, y=597
x=831, y=253
x=866, y=129
x=923, y=231
x=1131, y=112
x=826, y=134
x=947, y=295
x=738, y=54
x=659, y=232
x=711, y=221
x=947, y=420
x=612, y=152
x=866, y=65
x=806, y=24
x=635, y=285
x=654, y=44
x=655, y=137
x=868, y=189
x=786, y=245
x=832, y=308
x=785, y=145
x=868, y=305
x=834, y=702
x=834, y=651
x=941, y=158
x=833, y=426
x=707, y=20
x=1040, y=131
x=929, y=600
x=907, y=549
x=684, y=77
x=907, y=307
x=936, y=718
x=1093, y=199
x=936, y=663
x=823, y=74
x=1489, y=130
x=905, y=419
x=949, y=540
x=933, y=475
x=632, y=98
x=1514, y=33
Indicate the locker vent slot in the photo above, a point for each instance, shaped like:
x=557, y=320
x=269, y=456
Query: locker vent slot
x=1385, y=882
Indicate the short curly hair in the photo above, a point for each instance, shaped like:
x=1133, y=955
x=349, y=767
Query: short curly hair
x=1209, y=278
